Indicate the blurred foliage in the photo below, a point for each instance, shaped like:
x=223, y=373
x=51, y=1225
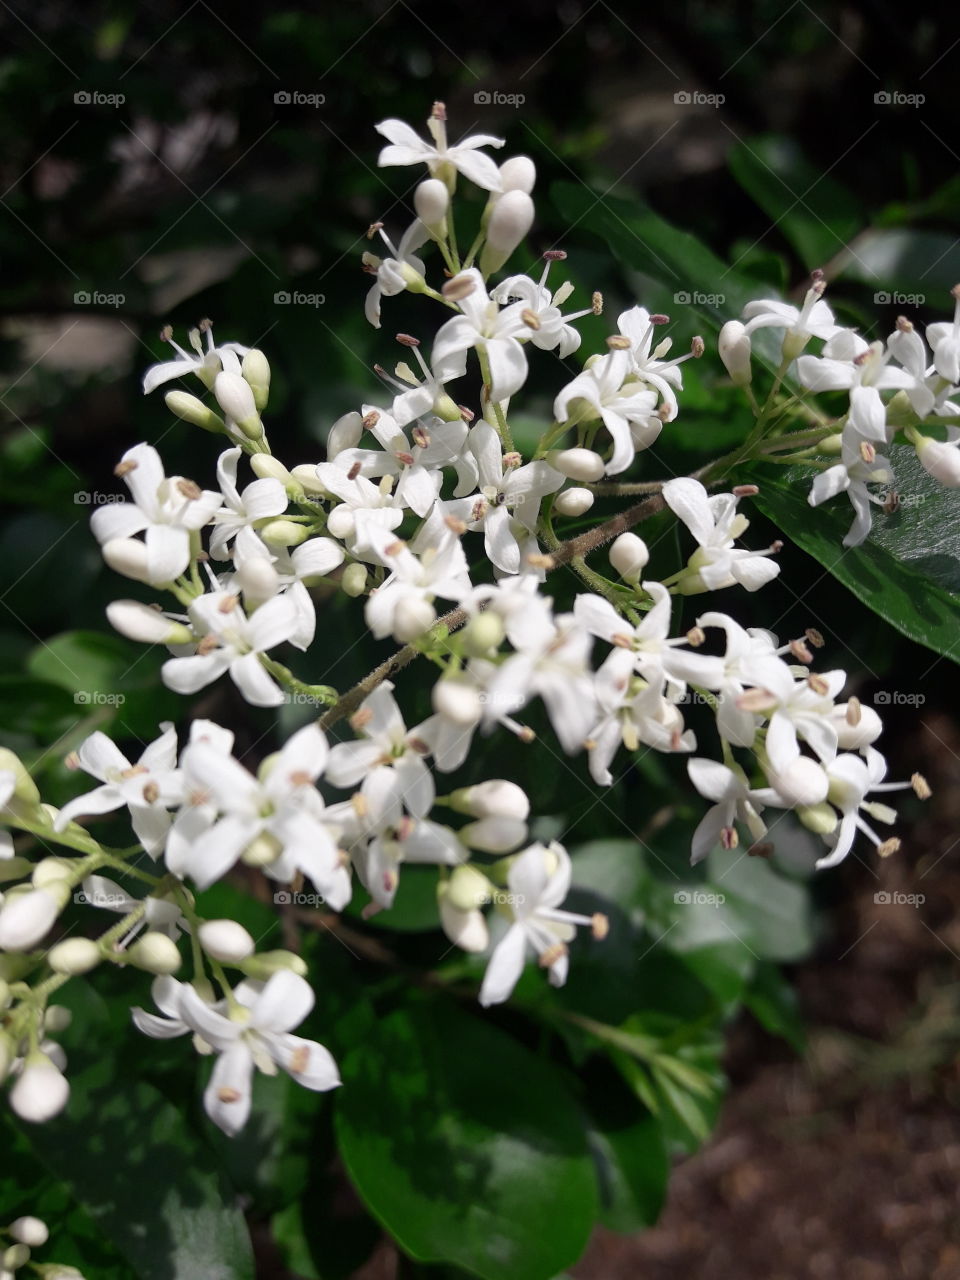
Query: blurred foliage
x=489, y=1142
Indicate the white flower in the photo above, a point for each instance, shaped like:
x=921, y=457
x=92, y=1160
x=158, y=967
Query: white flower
x=159, y=914
x=944, y=339
x=859, y=464
x=148, y=788
x=484, y=325
x=385, y=748
x=626, y=408
x=941, y=458
x=538, y=881
x=859, y=366
x=552, y=328
x=852, y=779
x=813, y=320
x=206, y=364
x=733, y=802
x=362, y=506
x=414, y=582
x=259, y=500
x=646, y=361
x=715, y=523
x=168, y=508
x=436, y=445
x=393, y=273
x=255, y=1033
x=443, y=161
x=232, y=642
x=41, y=1090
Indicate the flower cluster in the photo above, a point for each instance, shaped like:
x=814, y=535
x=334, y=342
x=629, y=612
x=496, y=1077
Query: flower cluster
x=423, y=502
x=25, y=1235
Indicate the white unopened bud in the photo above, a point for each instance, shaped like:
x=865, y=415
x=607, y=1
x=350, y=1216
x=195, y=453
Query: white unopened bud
x=265, y=964
x=497, y=798
x=29, y=1231
x=457, y=701
x=804, y=782
x=941, y=460
x=41, y=1090
x=17, y=1256
x=519, y=173
x=573, y=502
x=820, y=818
x=734, y=347
x=466, y=929
x=578, y=464
x=412, y=617
x=258, y=580
x=431, y=201
x=236, y=399
x=341, y=522
x=191, y=409
x=482, y=633
x=493, y=835
x=226, y=941
x=74, y=956
x=256, y=372
x=50, y=871
x=305, y=474
x=284, y=533
x=138, y=621
x=510, y=220
x=57, y=1018
x=856, y=732
x=354, y=579
x=629, y=556
x=468, y=888
x=127, y=556
x=155, y=953
x=25, y=918
x=345, y=433
x=266, y=466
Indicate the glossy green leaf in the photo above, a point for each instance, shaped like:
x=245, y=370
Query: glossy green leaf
x=465, y=1145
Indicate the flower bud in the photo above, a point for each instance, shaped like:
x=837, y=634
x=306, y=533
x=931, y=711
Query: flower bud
x=412, y=617
x=578, y=464
x=267, y=963
x=127, y=556
x=803, y=783
x=27, y=917
x=50, y=871
x=629, y=556
x=284, y=533
x=353, y=580
x=853, y=733
x=267, y=467
x=573, y=502
x=255, y=370
x=431, y=201
x=305, y=474
x=484, y=631
x=497, y=798
x=236, y=399
x=457, y=701
x=466, y=929
x=941, y=460
x=17, y=1256
x=74, y=956
x=341, y=522
x=138, y=621
x=345, y=433
x=56, y=1018
x=14, y=869
x=832, y=446
x=226, y=941
x=155, y=953
x=493, y=835
x=468, y=888
x=257, y=579
x=734, y=347
x=519, y=173
x=820, y=818
x=262, y=851
x=41, y=1090
x=24, y=787
x=191, y=409
x=8, y=1053
x=29, y=1231
x=510, y=220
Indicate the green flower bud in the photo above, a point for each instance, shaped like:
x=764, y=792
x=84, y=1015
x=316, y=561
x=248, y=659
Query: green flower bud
x=191, y=409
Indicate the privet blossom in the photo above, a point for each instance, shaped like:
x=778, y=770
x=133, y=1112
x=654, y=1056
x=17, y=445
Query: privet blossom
x=425, y=506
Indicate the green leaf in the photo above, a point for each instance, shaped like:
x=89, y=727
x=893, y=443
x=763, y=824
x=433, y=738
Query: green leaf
x=465, y=1145
x=924, y=264
x=768, y=913
x=631, y=1161
x=816, y=214
x=773, y=1002
x=901, y=572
